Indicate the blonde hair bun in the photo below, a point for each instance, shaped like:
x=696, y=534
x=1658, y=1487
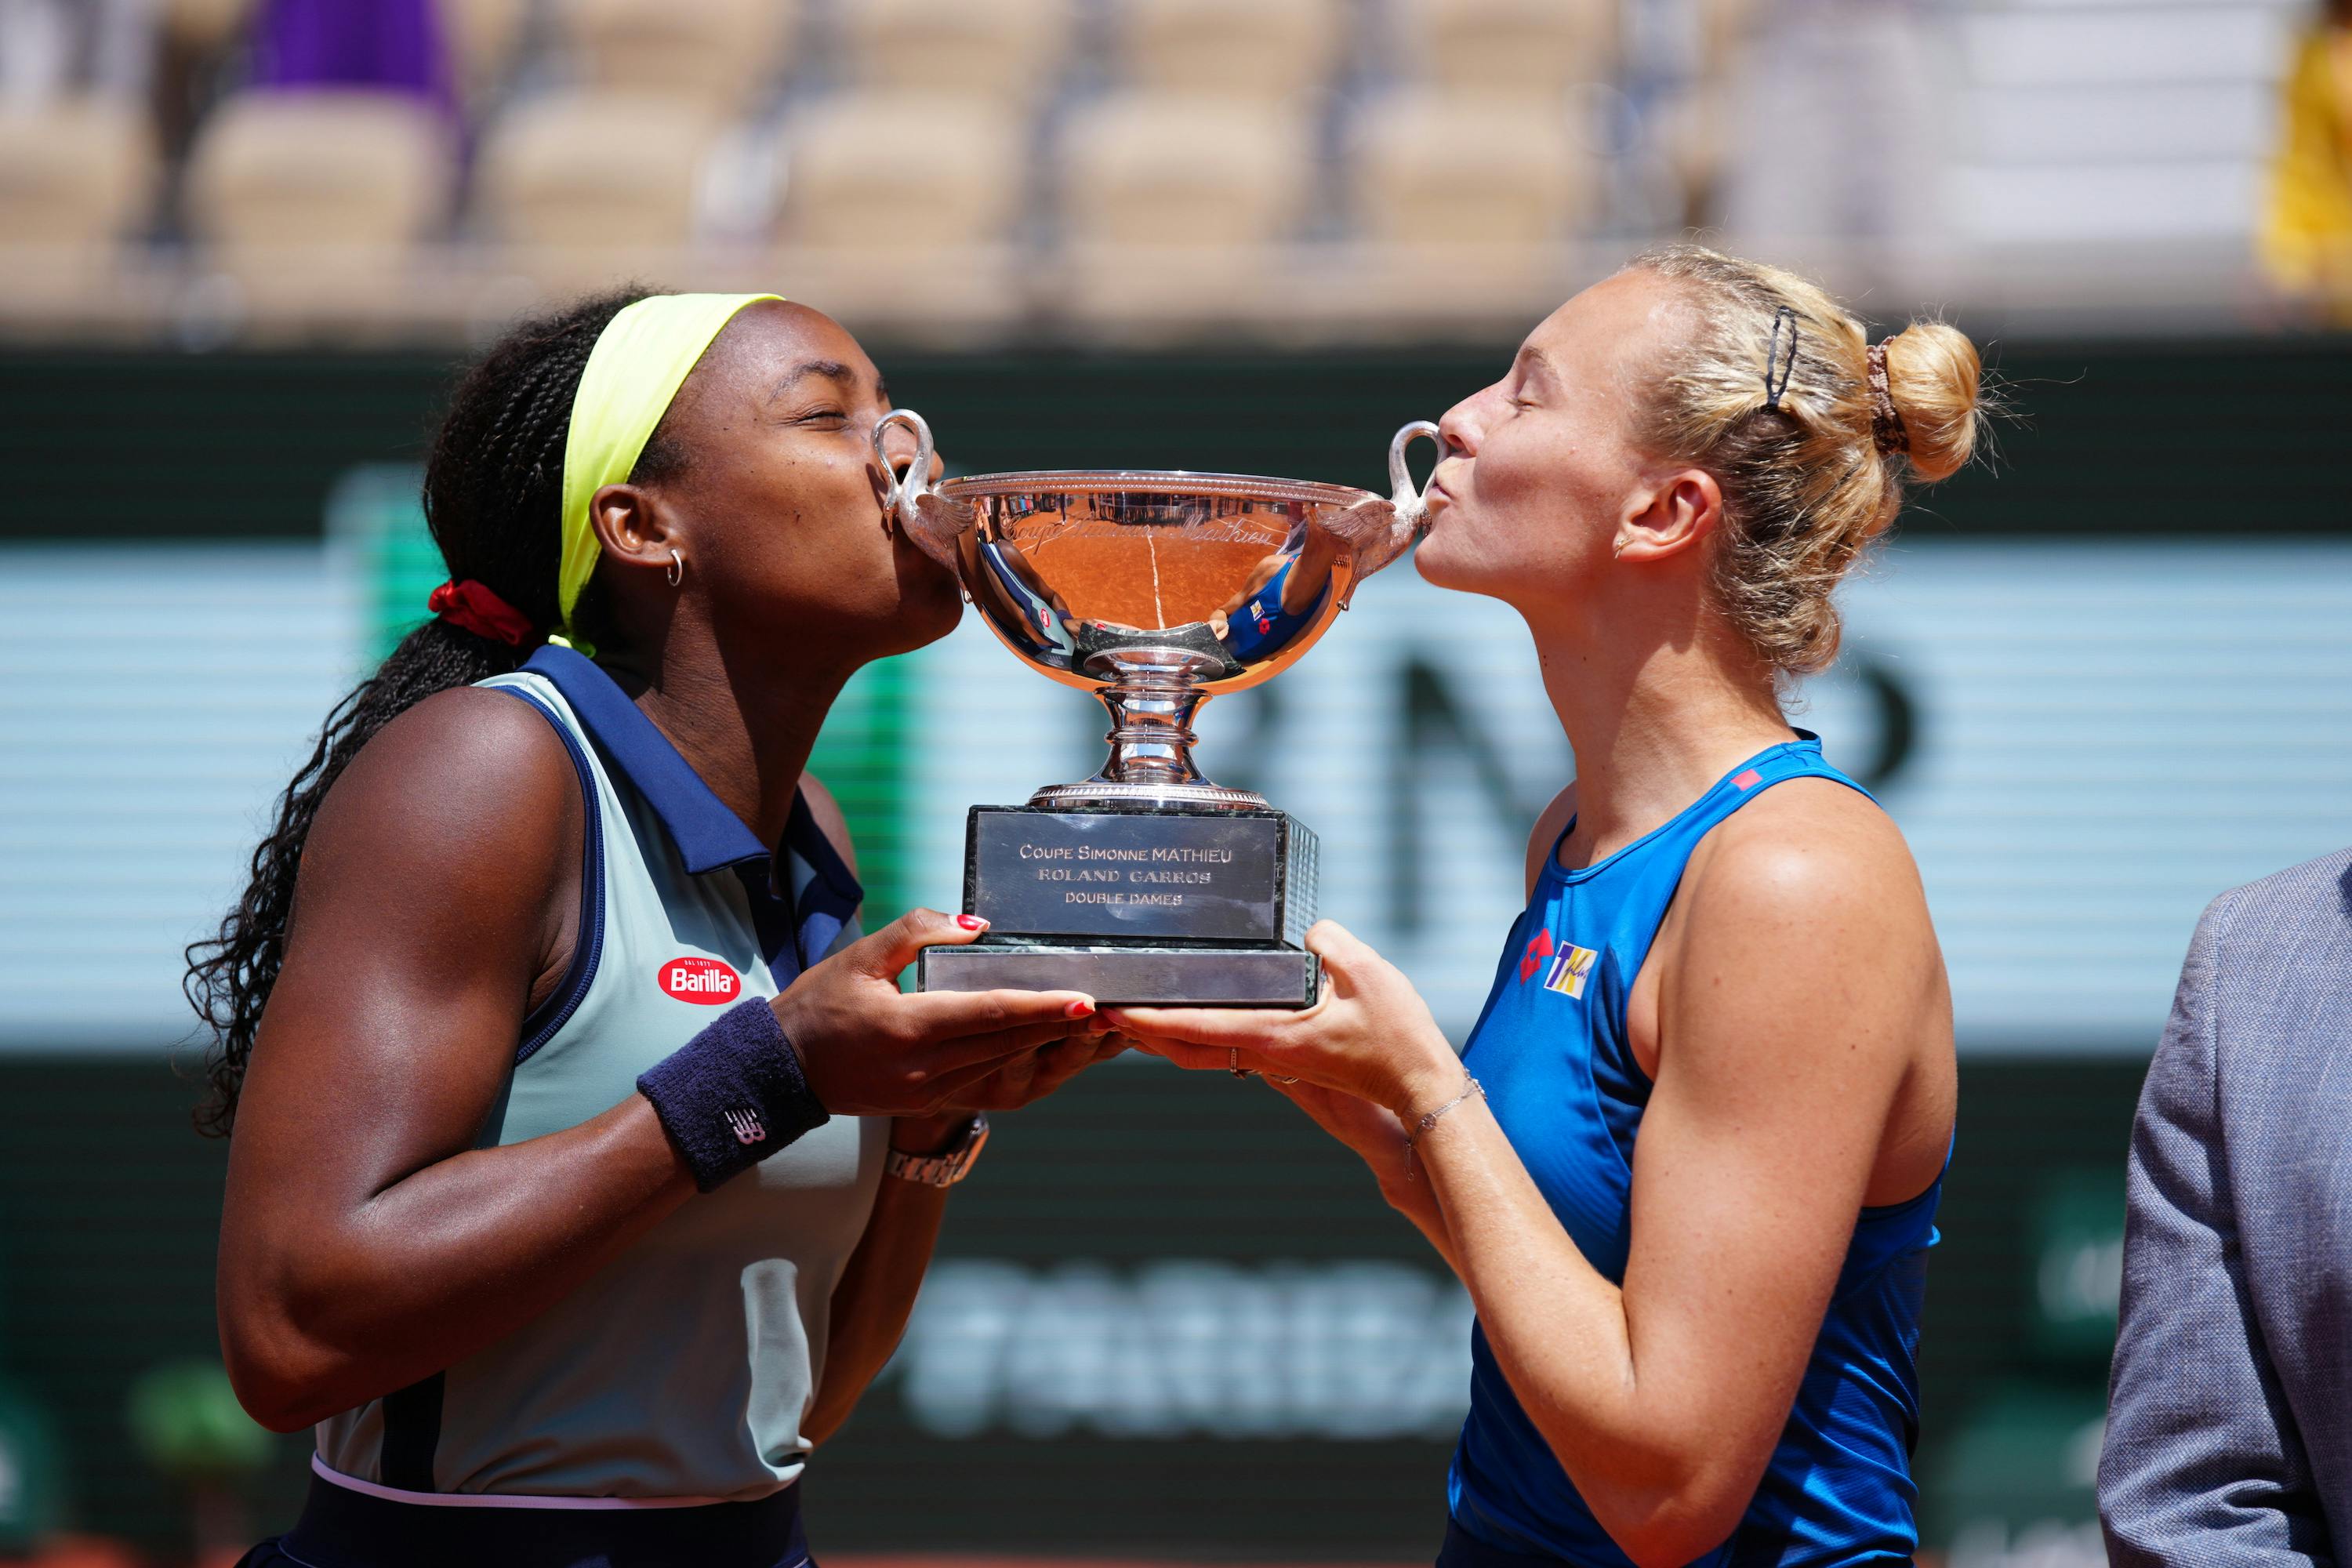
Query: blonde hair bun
x=1933, y=374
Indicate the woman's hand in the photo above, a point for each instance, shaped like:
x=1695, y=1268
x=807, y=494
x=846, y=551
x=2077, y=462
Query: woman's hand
x=1023, y=1080
x=1370, y=1037
x=867, y=1049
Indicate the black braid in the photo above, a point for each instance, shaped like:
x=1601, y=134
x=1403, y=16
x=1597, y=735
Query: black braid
x=493, y=497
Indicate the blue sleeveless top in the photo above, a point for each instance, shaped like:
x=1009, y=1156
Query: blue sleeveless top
x=1553, y=1053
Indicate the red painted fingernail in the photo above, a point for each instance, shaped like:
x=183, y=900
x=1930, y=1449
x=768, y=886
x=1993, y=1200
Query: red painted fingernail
x=971, y=922
x=1081, y=1008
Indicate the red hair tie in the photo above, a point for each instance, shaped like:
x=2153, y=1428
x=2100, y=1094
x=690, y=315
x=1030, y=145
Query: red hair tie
x=473, y=607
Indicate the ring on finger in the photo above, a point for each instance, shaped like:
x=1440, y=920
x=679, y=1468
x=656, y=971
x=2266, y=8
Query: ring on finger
x=1278, y=1078
x=1233, y=1064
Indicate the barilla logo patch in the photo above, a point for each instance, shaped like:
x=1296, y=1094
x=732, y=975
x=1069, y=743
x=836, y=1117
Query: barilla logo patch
x=703, y=980
x=1569, y=971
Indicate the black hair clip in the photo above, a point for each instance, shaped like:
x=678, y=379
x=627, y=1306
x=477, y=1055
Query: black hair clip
x=1778, y=372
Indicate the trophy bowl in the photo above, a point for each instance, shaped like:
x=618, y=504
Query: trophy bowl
x=1154, y=589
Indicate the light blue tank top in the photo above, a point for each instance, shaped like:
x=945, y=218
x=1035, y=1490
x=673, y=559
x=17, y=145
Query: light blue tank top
x=1552, y=1051
x=684, y=1368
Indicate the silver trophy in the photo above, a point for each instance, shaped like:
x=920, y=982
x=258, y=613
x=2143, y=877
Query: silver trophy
x=1155, y=590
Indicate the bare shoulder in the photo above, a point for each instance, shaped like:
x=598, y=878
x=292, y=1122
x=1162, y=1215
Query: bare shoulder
x=470, y=787
x=1549, y=825
x=1807, y=841
x=830, y=821
x=1807, y=901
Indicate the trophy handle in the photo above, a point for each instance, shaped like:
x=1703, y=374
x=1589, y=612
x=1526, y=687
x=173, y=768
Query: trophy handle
x=1412, y=500
x=1378, y=532
x=907, y=488
x=913, y=504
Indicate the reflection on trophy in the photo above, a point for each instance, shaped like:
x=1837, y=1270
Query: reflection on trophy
x=1155, y=590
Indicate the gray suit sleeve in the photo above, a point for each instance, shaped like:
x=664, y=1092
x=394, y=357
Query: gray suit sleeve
x=2202, y=1463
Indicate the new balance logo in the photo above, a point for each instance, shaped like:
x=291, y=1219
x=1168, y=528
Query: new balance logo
x=746, y=1127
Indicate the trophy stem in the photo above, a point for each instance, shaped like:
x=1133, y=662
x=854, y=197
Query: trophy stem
x=1151, y=731
x=1151, y=708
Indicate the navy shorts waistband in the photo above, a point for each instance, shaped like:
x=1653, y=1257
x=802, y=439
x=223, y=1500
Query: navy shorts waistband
x=344, y=1529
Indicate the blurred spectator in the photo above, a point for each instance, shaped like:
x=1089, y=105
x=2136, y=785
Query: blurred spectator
x=2307, y=233
x=52, y=47
x=1835, y=124
x=396, y=45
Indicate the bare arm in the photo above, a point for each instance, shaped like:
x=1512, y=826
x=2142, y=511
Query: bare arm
x=1795, y=996
x=365, y=1241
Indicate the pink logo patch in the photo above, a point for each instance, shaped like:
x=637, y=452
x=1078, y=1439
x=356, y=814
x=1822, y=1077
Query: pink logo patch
x=705, y=981
x=1539, y=949
x=1747, y=780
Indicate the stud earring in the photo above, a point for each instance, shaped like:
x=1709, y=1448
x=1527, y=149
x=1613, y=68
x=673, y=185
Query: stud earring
x=676, y=568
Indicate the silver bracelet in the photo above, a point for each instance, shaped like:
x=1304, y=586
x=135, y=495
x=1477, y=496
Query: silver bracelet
x=1421, y=1128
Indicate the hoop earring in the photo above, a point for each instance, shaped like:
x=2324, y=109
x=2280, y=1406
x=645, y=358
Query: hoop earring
x=676, y=573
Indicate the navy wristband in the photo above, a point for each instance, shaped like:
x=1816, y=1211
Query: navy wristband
x=732, y=1095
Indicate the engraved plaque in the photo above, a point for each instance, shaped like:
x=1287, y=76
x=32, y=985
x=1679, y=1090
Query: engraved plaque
x=1135, y=875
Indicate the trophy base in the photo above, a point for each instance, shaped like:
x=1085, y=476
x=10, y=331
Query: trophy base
x=1133, y=976
x=1200, y=796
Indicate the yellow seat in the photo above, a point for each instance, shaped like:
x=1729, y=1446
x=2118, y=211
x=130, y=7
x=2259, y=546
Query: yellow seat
x=1246, y=48
x=1508, y=46
x=1468, y=169
x=715, y=52
x=1002, y=49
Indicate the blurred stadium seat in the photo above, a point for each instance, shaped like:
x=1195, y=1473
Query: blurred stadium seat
x=1505, y=46
x=715, y=52
x=1183, y=169
x=569, y=175
x=885, y=169
x=75, y=180
x=1012, y=49
x=1176, y=205
x=485, y=36
x=1237, y=46
x=899, y=205
x=278, y=171
x=1468, y=169
x=315, y=202
x=74, y=172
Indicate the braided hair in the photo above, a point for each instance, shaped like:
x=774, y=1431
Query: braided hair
x=493, y=499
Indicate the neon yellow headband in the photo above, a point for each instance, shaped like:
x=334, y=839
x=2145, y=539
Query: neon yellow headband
x=636, y=367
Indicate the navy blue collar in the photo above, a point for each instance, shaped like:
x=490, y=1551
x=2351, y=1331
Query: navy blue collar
x=708, y=837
